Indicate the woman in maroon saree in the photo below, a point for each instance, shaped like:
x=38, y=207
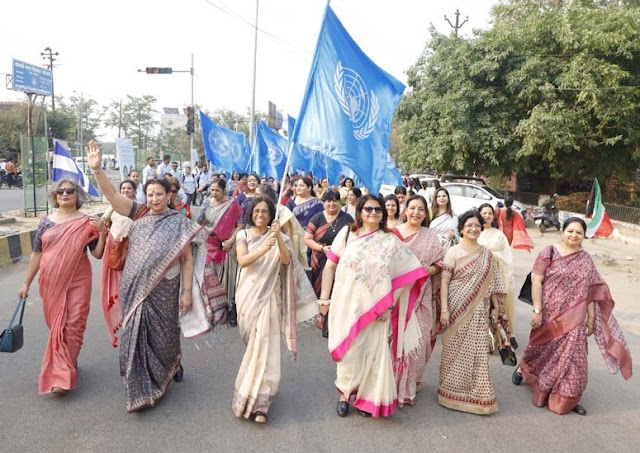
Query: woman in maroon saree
x=574, y=302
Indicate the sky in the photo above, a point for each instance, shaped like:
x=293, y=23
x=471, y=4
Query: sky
x=102, y=45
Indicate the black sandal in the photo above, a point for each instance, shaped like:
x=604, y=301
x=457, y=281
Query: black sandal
x=579, y=409
x=508, y=356
x=516, y=377
x=262, y=420
x=179, y=376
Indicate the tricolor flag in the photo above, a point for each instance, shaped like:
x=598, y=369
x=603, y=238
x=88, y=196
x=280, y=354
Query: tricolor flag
x=64, y=166
x=599, y=223
x=348, y=105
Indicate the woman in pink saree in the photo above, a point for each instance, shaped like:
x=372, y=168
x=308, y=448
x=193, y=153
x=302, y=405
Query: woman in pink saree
x=59, y=253
x=272, y=296
x=570, y=302
x=378, y=282
x=424, y=243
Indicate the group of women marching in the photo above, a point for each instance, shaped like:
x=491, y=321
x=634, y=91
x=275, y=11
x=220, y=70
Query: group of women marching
x=381, y=278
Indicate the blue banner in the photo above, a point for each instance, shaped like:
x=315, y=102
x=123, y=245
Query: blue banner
x=348, y=105
x=227, y=149
x=269, y=152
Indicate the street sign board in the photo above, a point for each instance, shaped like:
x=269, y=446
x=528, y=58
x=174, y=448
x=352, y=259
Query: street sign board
x=32, y=79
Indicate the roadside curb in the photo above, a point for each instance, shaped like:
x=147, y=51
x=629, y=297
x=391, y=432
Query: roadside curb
x=15, y=246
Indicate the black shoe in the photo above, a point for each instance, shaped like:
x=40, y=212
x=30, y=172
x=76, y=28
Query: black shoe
x=342, y=408
x=516, y=377
x=179, y=376
x=508, y=357
x=325, y=326
x=364, y=413
x=233, y=315
x=580, y=410
x=514, y=343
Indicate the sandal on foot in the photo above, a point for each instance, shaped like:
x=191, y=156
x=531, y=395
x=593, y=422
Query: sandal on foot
x=179, y=376
x=579, y=409
x=516, y=377
x=364, y=413
x=59, y=391
x=260, y=417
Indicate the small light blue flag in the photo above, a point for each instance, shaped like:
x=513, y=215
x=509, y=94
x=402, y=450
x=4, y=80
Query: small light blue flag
x=64, y=166
x=392, y=175
x=348, y=105
x=227, y=149
x=270, y=151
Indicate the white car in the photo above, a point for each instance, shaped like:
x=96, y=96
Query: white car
x=466, y=196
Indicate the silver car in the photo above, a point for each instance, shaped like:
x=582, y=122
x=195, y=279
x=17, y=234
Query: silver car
x=466, y=196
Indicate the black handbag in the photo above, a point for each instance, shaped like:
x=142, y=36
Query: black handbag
x=12, y=338
x=525, y=291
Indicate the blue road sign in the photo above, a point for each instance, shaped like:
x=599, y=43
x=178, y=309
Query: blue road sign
x=32, y=79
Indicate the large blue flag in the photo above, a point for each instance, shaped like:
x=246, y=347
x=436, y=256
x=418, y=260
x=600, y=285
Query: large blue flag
x=348, y=105
x=269, y=151
x=227, y=149
x=392, y=174
x=64, y=166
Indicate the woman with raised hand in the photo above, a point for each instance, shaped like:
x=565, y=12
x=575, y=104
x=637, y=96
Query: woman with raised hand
x=372, y=327
x=571, y=301
x=60, y=255
x=472, y=287
x=157, y=282
x=423, y=242
x=273, y=295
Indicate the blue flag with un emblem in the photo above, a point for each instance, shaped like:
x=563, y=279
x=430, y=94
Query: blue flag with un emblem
x=269, y=151
x=227, y=149
x=348, y=105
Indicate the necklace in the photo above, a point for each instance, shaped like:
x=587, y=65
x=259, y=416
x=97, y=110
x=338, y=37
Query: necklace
x=331, y=222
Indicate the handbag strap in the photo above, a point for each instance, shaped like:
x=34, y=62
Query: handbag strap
x=20, y=308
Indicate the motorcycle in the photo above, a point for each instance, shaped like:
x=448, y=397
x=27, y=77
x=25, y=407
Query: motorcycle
x=5, y=179
x=547, y=216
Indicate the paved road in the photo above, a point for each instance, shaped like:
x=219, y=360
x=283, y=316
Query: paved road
x=10, y=199
x=195, y=415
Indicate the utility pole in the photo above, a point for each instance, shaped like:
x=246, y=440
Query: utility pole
x=49, y=54
x=458, y=25
x=252, y=113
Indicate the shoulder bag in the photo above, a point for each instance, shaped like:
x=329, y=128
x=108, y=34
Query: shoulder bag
x=525, y=291
x=12, y=338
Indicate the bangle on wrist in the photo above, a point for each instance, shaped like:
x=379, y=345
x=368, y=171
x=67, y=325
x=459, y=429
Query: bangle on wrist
x=186, y=290
x=537, y=311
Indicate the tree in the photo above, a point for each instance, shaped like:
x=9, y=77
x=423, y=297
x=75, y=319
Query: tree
x=551, y=90
x=13, y=123
x=136, y=119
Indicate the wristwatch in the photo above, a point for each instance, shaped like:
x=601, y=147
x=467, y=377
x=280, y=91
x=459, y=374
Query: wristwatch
x=537, y=312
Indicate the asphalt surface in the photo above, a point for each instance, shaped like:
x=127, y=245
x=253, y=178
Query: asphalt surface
x=10, y=199
x=195, y=415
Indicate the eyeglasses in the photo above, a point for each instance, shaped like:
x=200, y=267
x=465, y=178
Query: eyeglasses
x=67, y=190
x=174, y=190
x=370, y=209
x=473, y=226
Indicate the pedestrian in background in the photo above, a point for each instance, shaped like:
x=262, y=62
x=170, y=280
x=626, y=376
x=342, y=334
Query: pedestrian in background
x=189, y=185
x=60, y=254
x=149, y=171
x=164, y=167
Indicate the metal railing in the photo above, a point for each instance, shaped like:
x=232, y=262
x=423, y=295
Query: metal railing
x=626, y=214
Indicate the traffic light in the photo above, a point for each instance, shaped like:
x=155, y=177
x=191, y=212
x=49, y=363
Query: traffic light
x=159, y=70
x=190, y=121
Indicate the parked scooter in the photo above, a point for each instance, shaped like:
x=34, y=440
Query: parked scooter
x=547, y=216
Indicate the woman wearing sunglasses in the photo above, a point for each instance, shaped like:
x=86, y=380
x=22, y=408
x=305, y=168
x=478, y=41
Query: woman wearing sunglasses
x=157, y=286
x=60, y=254
x=377, y=283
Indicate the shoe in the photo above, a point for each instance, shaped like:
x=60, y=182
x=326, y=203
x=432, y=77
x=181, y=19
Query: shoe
x=325, y=326
x=342, y=408
x=364, y=413
x=260, y=417
x=59, y=391
x=514, y=343
x=508, y=357
x=233, y=315
x=580, y=410
x=179, y=376
x=516, y=377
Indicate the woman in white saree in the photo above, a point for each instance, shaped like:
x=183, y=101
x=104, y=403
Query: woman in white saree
x=273, y=294
x=377, y=284
x=443, y=222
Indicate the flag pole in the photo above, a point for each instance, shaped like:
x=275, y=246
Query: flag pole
x=284, y=177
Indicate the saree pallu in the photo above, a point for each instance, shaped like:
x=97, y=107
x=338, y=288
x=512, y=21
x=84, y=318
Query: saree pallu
x=426, y=247
x=271, y=299
x=441, y=225
x=285, y=216
x=304, y=211
x=514, y=229
x=555, y=361
x=465, y=382
x=375, y=272
x=65, y=289
x=210, y=301
x=324, y=233
x=149, y=296
x=497, y=243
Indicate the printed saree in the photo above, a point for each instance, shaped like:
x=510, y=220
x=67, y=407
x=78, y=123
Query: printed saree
x=210, y=303
x=555, y=362
x=465, y=382
x=65, y=289
x=426, y=247
x=149, y=297
x=271, y=299
x=441, y=225
x=375, y=272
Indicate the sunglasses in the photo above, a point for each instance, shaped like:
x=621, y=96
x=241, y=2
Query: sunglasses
x=370, y=209
x=69, y=191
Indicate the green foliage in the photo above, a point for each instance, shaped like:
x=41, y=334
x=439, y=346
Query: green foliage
x=135, y=118
x=13, y=123
x=553, y=89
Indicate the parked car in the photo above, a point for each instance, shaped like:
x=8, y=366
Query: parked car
x=465, y=196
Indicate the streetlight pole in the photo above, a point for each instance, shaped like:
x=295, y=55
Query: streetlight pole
x=49, y=54
x=458, y=25
x=252, y=113
x=192, y=106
